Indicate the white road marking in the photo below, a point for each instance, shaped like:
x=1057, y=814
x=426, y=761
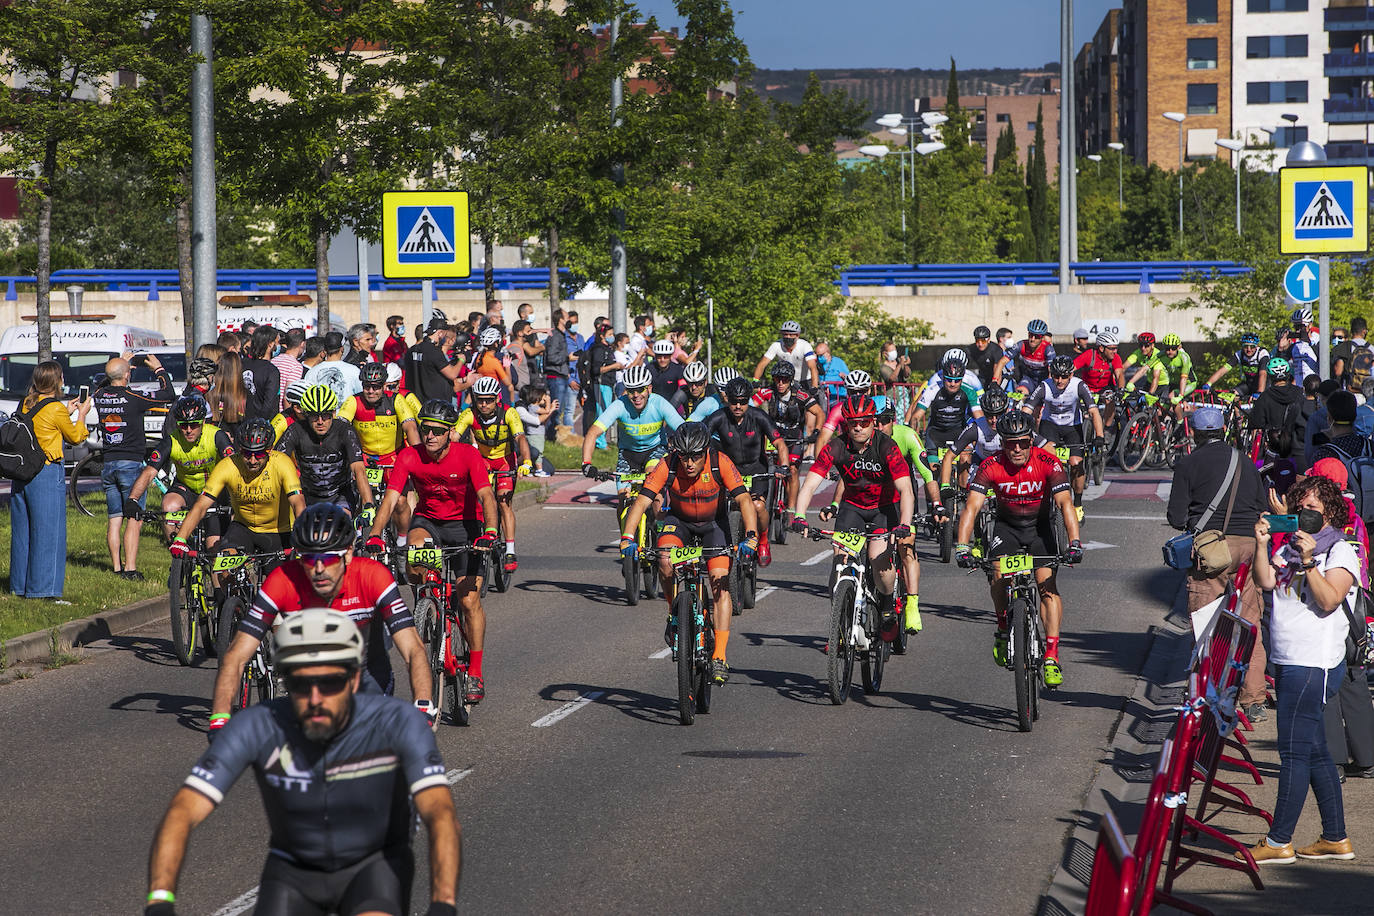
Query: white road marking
x=454, y=775
x=240, y=904
x=1129, y=518
x=663, y=653
x=567, y=709
x=1098, y=545
x=818, y=558
x=1163, y=489
x=577, y=508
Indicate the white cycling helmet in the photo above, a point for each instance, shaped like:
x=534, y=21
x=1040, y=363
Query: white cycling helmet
x=318, y=636
x=663, y=348
x=1106, y=339
x=723, y=375
x=490, y=337
x=957, y=354
x=393, y=373
x=294, y=392
x=791, y=327
x=637, y=377
x=486, y=387
x=695, y=372
x=858, y=380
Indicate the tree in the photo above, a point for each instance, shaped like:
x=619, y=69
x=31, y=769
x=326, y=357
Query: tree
x=822, y=117
x=1038, y=189
x=1016, y=240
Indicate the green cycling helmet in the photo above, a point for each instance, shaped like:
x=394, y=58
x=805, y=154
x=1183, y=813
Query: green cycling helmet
x=1172, y=340
x=1278, y=367
x=319, y=399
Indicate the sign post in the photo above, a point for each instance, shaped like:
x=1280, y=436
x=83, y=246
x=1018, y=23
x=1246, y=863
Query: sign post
x=424, y=236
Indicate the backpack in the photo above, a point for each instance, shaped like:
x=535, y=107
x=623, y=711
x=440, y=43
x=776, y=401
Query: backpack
x=1361, y=366
x=21, y=457
x=1360, y=469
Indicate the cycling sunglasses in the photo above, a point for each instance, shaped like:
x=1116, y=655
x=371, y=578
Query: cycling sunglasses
x=254, y=456
x=370, y=386
x=312, y=417
x=691, y=456
x=328, y=559
x=329, y=684
x=739, y=402
x=861, y=422
x=431, y=431
x=190, y=424
x=1016, y=444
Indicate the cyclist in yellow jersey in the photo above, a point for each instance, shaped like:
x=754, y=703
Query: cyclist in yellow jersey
x=264, y=491
x=498, y=433
x=192, y=448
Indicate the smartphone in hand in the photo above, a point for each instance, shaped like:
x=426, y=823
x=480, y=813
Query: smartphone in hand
x=84, y=393
x=1282, y=524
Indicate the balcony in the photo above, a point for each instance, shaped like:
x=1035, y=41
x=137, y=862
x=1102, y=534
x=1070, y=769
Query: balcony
x=1349, y=111
x=1349, y=153
x=1345, y=64
x=1350, y=19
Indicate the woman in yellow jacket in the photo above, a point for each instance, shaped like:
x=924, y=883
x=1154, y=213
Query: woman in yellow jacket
x=38, y=507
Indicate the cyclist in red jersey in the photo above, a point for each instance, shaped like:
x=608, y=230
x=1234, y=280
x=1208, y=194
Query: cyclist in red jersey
x=856, y=384
x=877, y=491
x=1026, y=482
x=325, y=573
x=455, y=498
x=1101, y=369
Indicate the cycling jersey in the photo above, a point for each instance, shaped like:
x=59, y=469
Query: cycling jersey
x=971, y=385
x=801, y=351
x=1032, y=362
x=1097, y=372
x=447, y=488
x=870, y=476
x=488, y=363
x=744, y=441
x=948, y=410
x=979, y=435
x=698, y=499
x=261, y=503
x=1304, y=360
x=665, y=382
x=1062, y=406
x=326, y=462
x=1178, y=367
x=685, y=404
x=787, y=413
x=331, y=804
x=1024, y=494
x=495, y=435
x=120, y=413
x=378, y=426
x=706, y=406
x=193, y=463
x=1152, y=364
x=1250, y=367
x=368, y=592
x=909, y=444
x=643, y=430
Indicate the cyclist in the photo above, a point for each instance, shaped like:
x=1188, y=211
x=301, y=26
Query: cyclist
x=698, y=483
x=384, y=422
x=742, y=432
x=1030, y=358
x=695, y=389
x=795, y=413
x=1302, y=356
x=264, y=495
x=1059, y=404
x=978, y=440
x=877, y=497
x=342, y=775
x=665, y=372
x=971, y=381
x=916, y=461
x=1179, y=365
x=1146, y=365
x=323, y=572
x=192, y=448
x=791, y=347
x=1102, y=371
x=857, y=383
x=1080, y=343
x=327, y=453
x=488, y=361
x=291, y=413
x=1249, y=360
x=644, y=420
x=498, y=433
x=1028, y=483
x=949, y=407
x=984, y=357
x=714, y=400
x=1278, y=410
x=455, y=498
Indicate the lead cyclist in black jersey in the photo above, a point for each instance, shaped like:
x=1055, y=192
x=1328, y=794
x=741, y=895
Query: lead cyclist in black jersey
x=338, y=772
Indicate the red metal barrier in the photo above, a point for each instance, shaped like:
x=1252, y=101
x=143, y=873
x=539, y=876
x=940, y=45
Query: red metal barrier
x=1112, y=886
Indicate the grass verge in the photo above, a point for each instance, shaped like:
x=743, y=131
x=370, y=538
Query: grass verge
x=566, y=458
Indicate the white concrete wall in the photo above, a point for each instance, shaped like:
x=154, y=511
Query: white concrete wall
x=1247, y=119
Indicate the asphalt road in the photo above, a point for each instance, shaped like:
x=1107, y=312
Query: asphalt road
x=923, y=799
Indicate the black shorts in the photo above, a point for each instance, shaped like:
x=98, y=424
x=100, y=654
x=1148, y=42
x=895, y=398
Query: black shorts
x=379, y=882
x=758, y=487
x=880, y=519
x=936, y=439
x=456, y=533
x=674, y=532
x=213, y=522
x=1071, y=435
x=239, y=535
x=1038, y=540
x=1245, y=389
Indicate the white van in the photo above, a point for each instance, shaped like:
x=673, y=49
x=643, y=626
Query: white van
x=282, y=312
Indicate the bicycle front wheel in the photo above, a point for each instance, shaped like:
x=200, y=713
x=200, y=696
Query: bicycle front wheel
x=686, y=657
x=1135, y=443
x=1021, y=667
x=433, y=633
x=839, y=664
x=229, y=613
x=183, y=606
x=630, y=570
x=85, y=487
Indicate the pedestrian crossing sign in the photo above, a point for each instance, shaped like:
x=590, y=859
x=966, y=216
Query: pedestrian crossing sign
x=1323, y=210
x=425, y=234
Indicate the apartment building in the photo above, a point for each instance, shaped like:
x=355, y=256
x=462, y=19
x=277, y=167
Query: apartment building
x=1278, y=82
x=1348, y=105
x=990, y=114
x=1097, y=87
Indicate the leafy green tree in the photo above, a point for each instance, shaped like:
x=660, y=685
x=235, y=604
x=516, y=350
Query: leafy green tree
x=1038, y=190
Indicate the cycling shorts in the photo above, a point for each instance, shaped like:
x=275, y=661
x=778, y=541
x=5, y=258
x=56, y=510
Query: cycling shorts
x=213, y=522
x=246, y=540
x=674, y=532
x=936, y=439
x=1070, y=434
x=880, y=519
x=379, y=882
x=628, y=461
x=758, y=487
x=1038, y=540
x=504, y=463
x=456, y=533
x=1245, y=390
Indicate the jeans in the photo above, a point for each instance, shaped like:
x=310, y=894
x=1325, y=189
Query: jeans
x=1304, y=758
x=118, y=478
x=561, y=391
x=38, y=529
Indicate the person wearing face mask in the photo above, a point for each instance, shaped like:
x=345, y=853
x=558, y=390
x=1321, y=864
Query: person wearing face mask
x=643, y=337
x=394, y=350
x=1353, y=359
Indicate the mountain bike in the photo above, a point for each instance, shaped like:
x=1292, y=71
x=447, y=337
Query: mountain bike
x=777, y=504
x=242, y=575
x=259, y=678
x=744, y=574
x=439, y=621
x=494, y=563
x=638, y=573
x=1139, y=444
x=691, y=618
x=854, y=625
x=190, y=592
x=1025, y=633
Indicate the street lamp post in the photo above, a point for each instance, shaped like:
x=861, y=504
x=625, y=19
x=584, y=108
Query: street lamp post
x=1094, y=157
x=1120, y=197
x=1235, y=146
x=1179, y=118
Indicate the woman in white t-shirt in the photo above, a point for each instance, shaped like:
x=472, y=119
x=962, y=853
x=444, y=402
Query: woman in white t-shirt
x=1310, y=574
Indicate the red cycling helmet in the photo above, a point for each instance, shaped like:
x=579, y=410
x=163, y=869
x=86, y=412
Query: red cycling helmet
x=1146, y=339
x=857, y=407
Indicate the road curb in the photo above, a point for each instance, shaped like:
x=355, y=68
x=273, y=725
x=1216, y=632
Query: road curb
x=1121, y=776
x=40, y=646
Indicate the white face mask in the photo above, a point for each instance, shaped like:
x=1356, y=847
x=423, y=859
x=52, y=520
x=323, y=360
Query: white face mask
x=573, y=328
x=400, y=330
x=648, y=330
x=1314, y=338
x=891, y=354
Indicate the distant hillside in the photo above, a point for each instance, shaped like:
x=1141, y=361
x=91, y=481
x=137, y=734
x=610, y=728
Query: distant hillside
x=893, y=90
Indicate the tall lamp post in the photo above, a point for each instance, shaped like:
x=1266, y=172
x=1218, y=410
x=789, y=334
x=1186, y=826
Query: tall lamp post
x=906, y=127
x=1120, y=154
x=1179, y=118
x=1094, y=157
x=1235, y=146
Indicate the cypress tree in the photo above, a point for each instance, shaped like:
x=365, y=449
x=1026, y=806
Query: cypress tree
x=1038, y=189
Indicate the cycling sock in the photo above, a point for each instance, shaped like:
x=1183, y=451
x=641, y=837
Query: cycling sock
x=1077, y=498
x=475, y=663
x=721, y=637
x=510, y=546
x=1052, y=647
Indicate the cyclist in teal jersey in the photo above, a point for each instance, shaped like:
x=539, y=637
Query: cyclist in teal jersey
x=642, y=420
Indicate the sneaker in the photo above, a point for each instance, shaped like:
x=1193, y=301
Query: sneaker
x=720, y=671
x=999, y=649
x=670, y=631
x=1355, y=771
x=1054, y=672
x=511, y=564
x=1328, y=849
x=476, y=690
x=542, y=473
x=1256, y=712
x=133, y=575
x=1264, y=854
x=912, y=615
x=765, y=554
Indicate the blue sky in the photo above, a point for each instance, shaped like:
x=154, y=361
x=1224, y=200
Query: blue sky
x=804, y=34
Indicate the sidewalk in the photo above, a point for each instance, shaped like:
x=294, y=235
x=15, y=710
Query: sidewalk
x=1328, y=887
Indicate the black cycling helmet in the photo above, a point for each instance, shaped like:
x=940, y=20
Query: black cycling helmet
x=190, y=409
x=952, y=370
x=783, y=369
x=1014, y=423
x=372, y=374
x=737, y=389
x=982, y=333
x=994, y=402
x=1061, y=366
x=437, y=411
x=691, y=438
x=255, y=436
x=323, y=527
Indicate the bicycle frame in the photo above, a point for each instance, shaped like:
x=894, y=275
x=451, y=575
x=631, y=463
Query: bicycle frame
x=446, y=634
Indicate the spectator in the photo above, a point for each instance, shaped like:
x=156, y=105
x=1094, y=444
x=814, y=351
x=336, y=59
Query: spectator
x=1315, y=418
x=643, y=336
x=625, y=357
x=120, y=412
x=247, y=328
x=1364, y=417
x=429, y=374
x=211, y=352
x=530, y=353
x=599, y=366
x=833, y=370
x=394, y=350
x=230, y=341
x=288, y=361
x=1339, y=438
x=200, y=375
x=558, y=372
x=362, y=342
x=260, y=376
x=523, y=312
x=983, y=357
x=1201, y=478
x=1309, y=575
x=1005, y=338
x=535, y=407
x=681, y=356
x=576, y=342
x=228, y=398
x=313, y=354
x=334, y=371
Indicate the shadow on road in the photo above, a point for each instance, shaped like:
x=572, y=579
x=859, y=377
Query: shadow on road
x=191, y=712
x=151, y=649
x=976, y=715
x=803, y=688
x=646, y=707
x=593, y=591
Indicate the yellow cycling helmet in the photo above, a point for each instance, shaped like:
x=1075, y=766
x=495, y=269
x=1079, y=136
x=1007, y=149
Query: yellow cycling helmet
x=1171, y=340
x=319, y=399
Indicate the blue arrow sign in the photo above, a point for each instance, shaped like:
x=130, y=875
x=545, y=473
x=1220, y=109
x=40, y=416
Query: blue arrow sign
x=1301, y=281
